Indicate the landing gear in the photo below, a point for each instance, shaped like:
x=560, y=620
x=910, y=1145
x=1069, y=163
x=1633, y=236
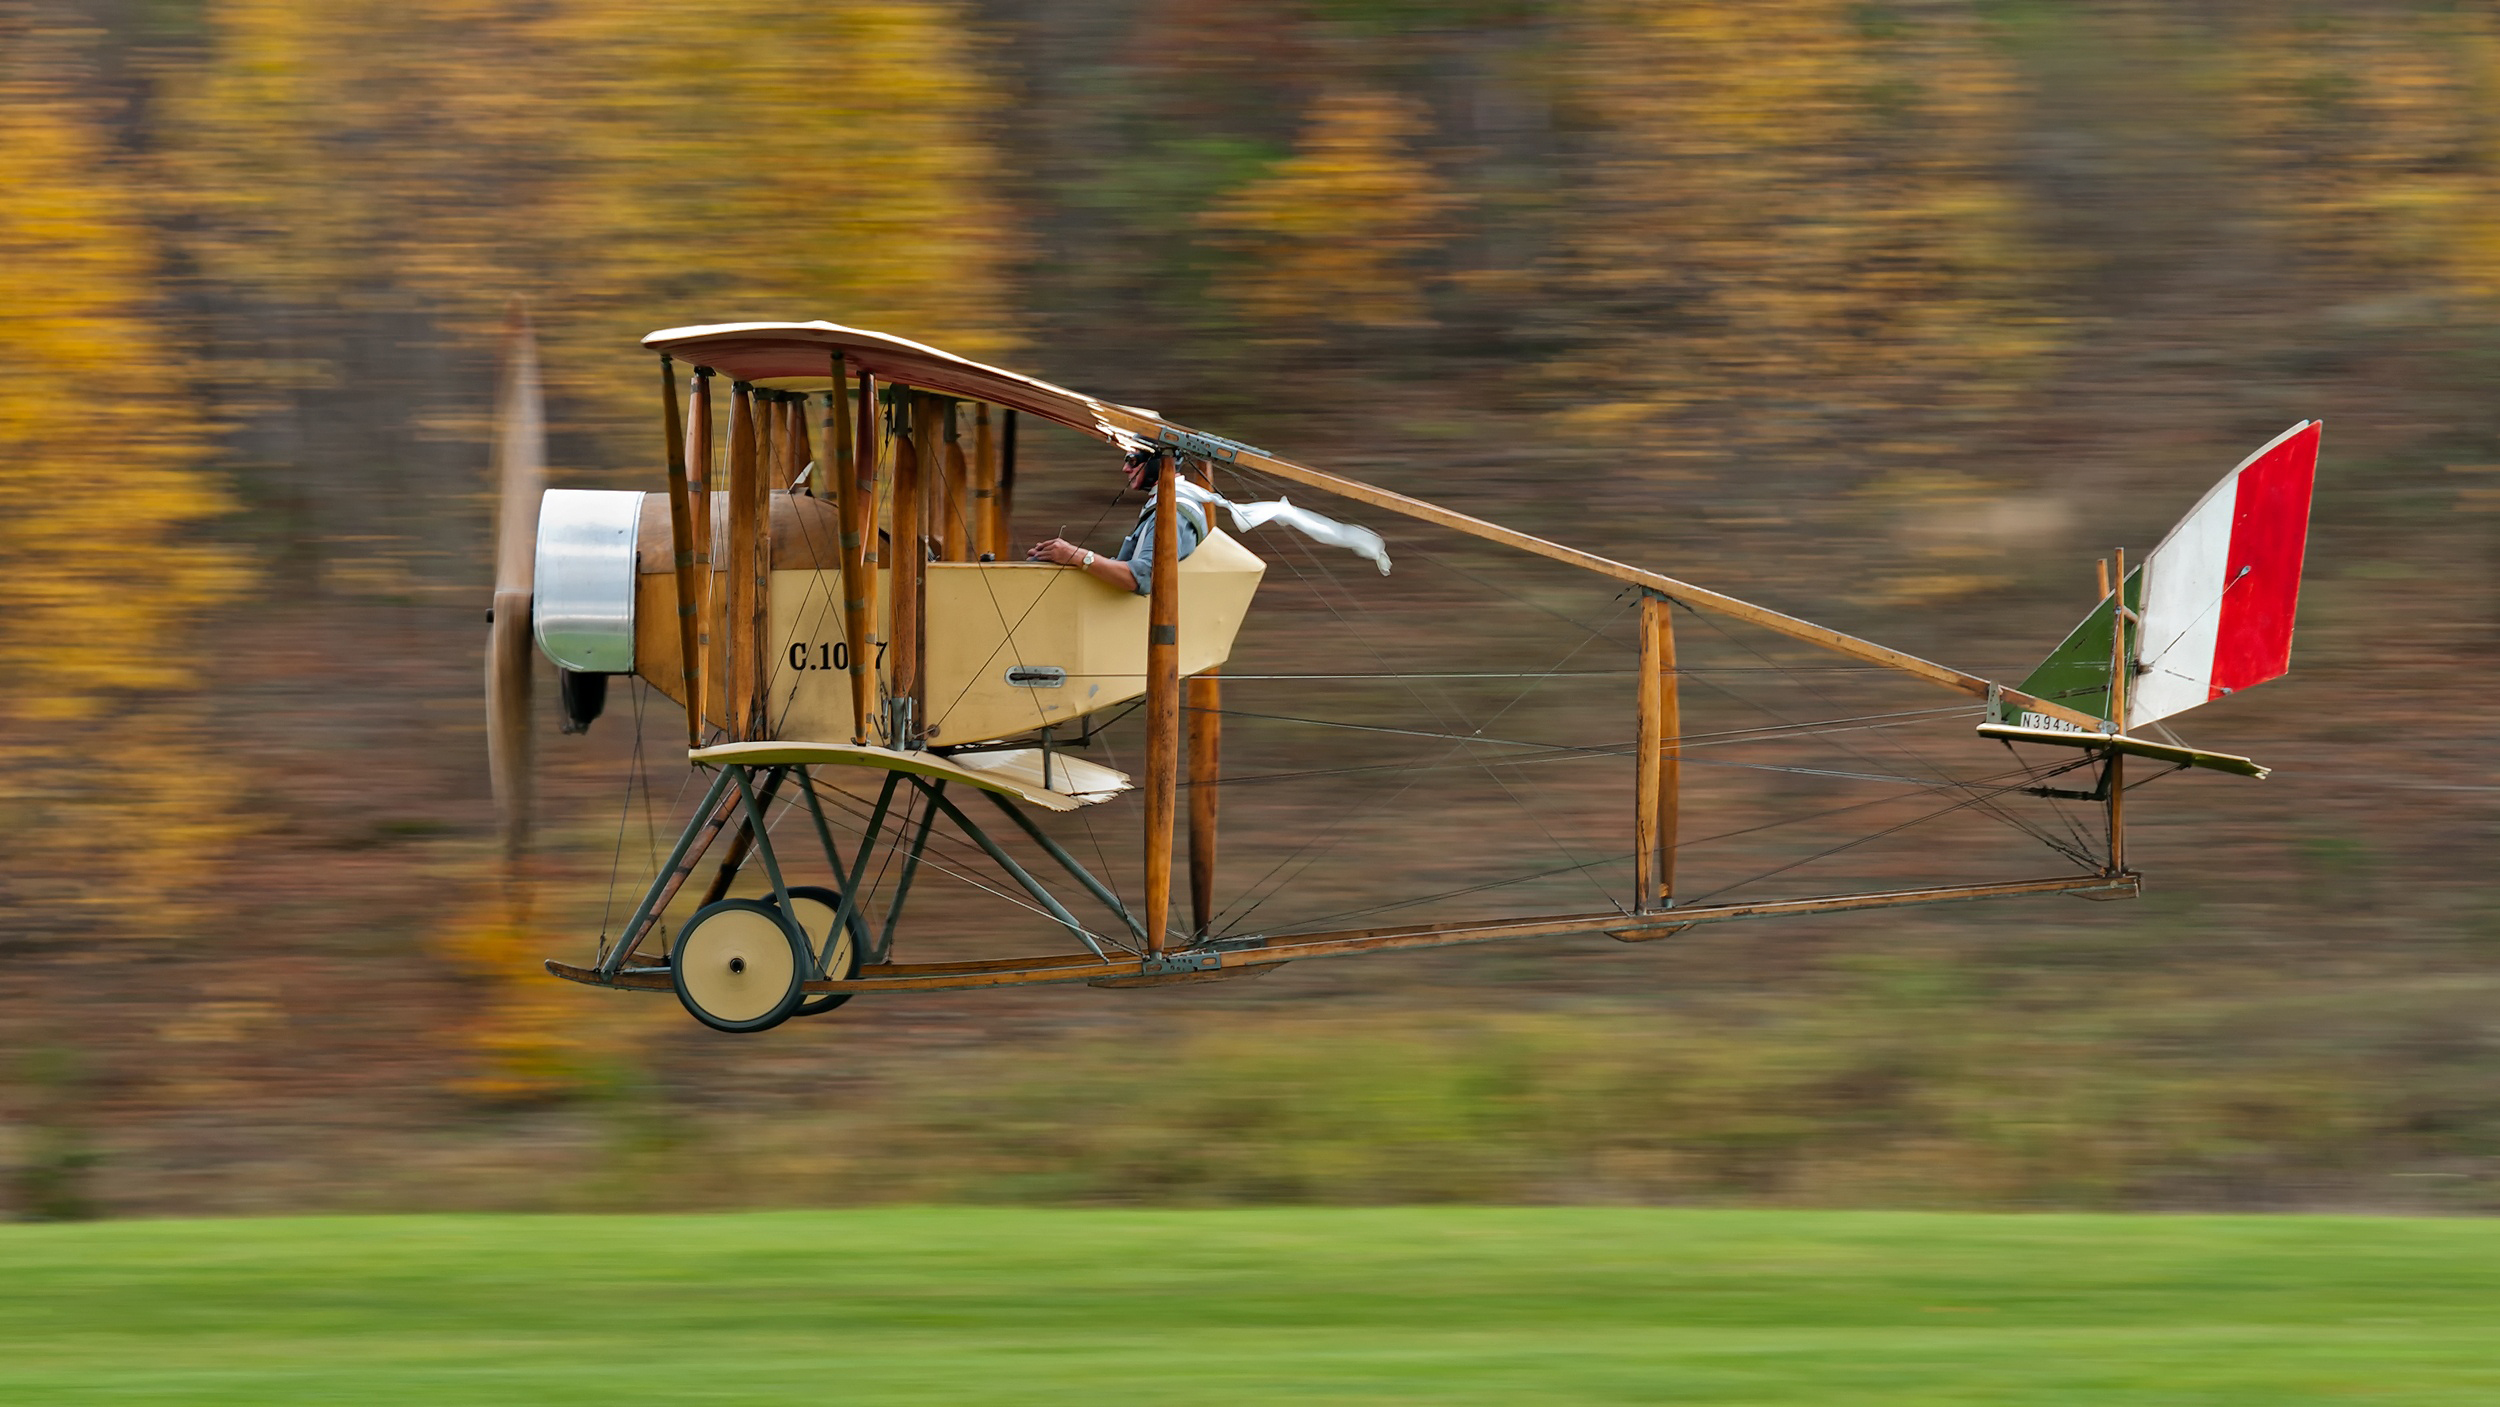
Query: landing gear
x=738, y=964
x=746, y=964
x=816, y=907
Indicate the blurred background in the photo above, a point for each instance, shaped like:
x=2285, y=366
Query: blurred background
x=1893, y=314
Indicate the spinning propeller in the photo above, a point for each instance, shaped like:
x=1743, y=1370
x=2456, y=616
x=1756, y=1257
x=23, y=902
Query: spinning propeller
x=520, y=478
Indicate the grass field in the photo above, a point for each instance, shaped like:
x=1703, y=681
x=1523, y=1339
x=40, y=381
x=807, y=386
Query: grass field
x=1466, y=1305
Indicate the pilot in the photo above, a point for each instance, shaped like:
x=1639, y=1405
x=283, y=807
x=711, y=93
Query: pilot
x=1132, y=567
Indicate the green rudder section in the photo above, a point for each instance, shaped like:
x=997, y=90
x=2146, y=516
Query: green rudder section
x=2076, y=673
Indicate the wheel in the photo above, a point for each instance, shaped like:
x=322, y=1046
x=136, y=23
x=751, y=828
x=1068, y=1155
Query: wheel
x=816, y=907
x=738, y=964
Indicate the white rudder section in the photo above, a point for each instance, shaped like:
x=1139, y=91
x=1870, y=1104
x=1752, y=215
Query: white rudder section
x=2221, y=591
x=2183, y=582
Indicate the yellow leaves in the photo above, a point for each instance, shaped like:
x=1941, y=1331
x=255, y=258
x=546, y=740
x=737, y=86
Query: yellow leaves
x=99, y=439
x=1331, y=233
x=523, y=1028
x=1739, y=79
x=100, y=489
x=1788, y=209
x=2381, y=141
x=626, y=164
x=66, y=284
x=787, y=161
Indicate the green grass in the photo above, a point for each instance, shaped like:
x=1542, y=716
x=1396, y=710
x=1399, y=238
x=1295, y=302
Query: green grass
x=1466, y=1305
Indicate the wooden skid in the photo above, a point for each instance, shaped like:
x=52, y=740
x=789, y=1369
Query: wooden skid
x=1242, y=956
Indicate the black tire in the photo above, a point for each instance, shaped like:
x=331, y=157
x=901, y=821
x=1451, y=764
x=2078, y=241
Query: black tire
x=845, y=964
x=737, y=966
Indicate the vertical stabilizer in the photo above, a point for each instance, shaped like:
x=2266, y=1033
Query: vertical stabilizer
x=2214, y=602
x=2076, y=673
x=2221, y=590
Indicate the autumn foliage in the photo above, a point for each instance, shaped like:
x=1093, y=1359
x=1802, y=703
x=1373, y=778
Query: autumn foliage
x=1832, y=303
x=623, y=165
x=1331, y=235
x=103, y=442
x=1790, y=207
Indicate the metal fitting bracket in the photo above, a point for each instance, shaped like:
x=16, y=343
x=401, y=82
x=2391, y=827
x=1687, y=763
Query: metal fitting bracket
x=1215, y=447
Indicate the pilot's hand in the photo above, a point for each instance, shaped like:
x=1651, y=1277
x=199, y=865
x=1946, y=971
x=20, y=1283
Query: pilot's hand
x=1057, y=549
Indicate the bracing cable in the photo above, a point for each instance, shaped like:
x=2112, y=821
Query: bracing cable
x=1324, y=842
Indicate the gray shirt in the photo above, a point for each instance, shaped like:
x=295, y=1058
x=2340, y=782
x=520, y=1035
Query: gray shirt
x=1138, y=548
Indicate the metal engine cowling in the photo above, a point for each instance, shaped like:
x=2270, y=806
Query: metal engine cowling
x=583, y=590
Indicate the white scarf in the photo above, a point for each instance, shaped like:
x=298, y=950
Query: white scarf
x=1353, y=537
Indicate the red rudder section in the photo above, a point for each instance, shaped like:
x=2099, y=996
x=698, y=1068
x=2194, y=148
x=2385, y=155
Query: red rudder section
x=2269, y=539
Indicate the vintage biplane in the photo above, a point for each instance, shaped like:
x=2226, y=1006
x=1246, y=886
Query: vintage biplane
x=850, y=624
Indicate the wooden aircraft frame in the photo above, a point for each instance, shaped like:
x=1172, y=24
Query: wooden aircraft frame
x=1136, y=947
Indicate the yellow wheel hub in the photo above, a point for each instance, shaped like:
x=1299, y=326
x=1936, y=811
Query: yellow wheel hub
x=736, y=967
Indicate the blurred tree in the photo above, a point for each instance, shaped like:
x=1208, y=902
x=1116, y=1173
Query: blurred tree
x=788, y=160
x=112, y=806
x=1790, y=216
x=1330, y=235
x=624, y=164
x=2376, y=137
x=529, y=1037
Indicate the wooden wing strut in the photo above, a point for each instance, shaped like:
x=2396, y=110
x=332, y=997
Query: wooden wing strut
x=956, y=524
x=1163, y=703
x=738, y=699
x=910, y=555
x=1658, y=750
x=865, y=657
x=838, y=429
x=681, y=544
x=697, y=586
x=986, y=535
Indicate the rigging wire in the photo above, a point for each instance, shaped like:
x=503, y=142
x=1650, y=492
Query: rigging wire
x=1988, y=806
x=1008, y=637
x=1320, y=590
x=1785, y=728
x=1771, y=666
x=963, y=851
x=616, y=864
x=1967, y=802
x=1563, y=674
x=1328, y=836
x=1775, y=732
x=1626, y=856
x=1244, y=915
x=1326, y=841
x=642, y=768
x=1498, y=589
x=1459, y=892
x=1573, y=756
x=2064, y=814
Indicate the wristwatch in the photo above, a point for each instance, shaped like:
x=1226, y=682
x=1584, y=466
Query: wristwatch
x=1088, y=563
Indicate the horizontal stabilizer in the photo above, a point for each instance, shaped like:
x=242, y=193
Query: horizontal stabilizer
x=2121, y=742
